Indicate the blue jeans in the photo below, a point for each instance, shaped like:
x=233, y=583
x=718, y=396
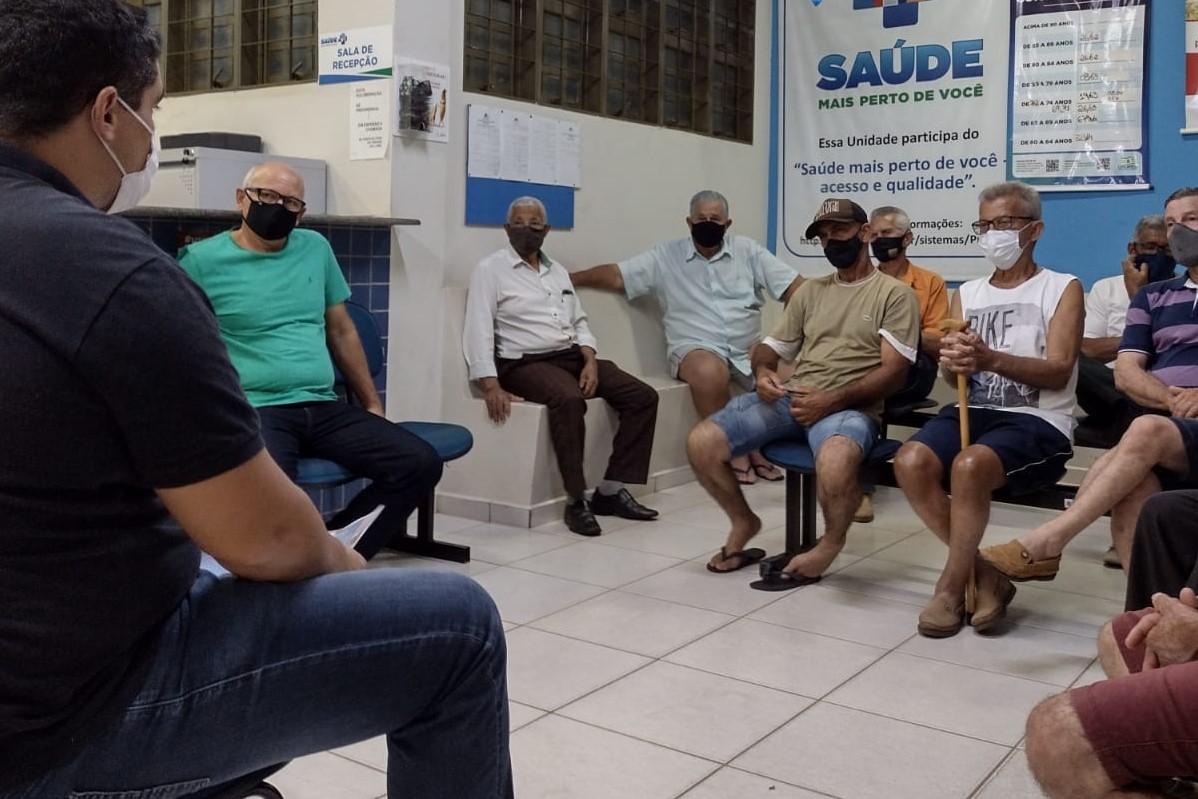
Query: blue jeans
x=403, y=467
x=251, y=674
x=750, y=424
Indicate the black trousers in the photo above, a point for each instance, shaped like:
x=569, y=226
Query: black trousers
x=1105, y=405
x=402, y=467
x=552, y=380
x=1164, y=555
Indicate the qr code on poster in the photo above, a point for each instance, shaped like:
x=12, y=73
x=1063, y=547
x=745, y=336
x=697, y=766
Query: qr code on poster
x=1105, y=164
x=1052, y=165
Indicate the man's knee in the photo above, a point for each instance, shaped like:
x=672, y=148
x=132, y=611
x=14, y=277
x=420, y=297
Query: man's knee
x=704, y=371
x=916, y=462
x=707, y=441
x=1058, y=752
x=1150, y=436
x=572, y=405
x=977, y=465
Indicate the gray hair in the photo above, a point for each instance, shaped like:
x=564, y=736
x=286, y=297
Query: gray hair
x=1151, y=222
x=901, y=220
x=1029, y=197
x=709, y=196
x=527, y=202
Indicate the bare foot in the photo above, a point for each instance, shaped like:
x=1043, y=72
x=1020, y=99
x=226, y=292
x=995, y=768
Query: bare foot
x=737, y=538
x=815, y=561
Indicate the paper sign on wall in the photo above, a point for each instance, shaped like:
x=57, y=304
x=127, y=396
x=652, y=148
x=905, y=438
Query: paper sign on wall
x=529, y=148
x=370, y=121
x=423, y=99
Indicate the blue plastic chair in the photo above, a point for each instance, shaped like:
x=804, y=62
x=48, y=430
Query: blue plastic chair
x=451, y=441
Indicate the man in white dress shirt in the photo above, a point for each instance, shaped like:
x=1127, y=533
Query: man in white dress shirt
x=527, y=337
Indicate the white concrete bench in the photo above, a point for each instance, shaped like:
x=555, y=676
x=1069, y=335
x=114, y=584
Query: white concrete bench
x=511, y=475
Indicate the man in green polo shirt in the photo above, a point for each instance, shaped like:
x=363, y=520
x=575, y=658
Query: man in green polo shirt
x=280, y=298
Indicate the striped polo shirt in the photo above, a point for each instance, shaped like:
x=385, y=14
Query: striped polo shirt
x=1162, y=323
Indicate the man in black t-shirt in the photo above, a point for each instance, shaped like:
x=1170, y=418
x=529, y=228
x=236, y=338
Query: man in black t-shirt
x=121, y=667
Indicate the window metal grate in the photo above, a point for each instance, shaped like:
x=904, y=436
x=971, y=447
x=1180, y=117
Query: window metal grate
x=685, y=64
x=213, y=45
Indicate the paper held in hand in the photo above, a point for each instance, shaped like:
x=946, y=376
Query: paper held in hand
x=349, y=535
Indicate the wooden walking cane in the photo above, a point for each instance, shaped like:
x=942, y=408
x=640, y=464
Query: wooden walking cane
x=959, y=326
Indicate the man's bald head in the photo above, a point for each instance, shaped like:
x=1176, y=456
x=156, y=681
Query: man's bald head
x=276, y=176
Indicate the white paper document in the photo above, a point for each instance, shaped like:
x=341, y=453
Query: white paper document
x=349, y=535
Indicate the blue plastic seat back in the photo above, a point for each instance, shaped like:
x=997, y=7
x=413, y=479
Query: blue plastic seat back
x=795, y=455
x=372, y=340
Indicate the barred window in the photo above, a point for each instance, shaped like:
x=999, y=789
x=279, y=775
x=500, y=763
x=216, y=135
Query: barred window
x=212, y=45
x=685, y=64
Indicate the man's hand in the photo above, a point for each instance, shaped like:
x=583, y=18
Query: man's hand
x=1134, y=277
x=1170, y=635
x=1183, y=402
x=769, y=386
x=808, y=405
x=377, y=409
x=499, y=403
x=588, y=379
x=965, y=353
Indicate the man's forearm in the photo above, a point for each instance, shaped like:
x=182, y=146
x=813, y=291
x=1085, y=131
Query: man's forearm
x=763, y=357
x=1144, y=388
x=1034, y=372
x=606, y=277
x=877, y=385
x=1101, y=349
x=929, y=343
x=351, y=360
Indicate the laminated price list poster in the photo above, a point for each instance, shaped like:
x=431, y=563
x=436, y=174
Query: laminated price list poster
x=1077, y=94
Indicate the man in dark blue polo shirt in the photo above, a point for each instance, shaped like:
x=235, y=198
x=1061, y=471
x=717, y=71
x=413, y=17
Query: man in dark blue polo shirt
x=123, y=671
x=1157, y=367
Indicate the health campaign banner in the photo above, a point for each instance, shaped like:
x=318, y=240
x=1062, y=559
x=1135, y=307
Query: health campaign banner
x=899, y=103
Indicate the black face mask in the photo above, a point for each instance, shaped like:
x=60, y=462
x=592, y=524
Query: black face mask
x=843, y=253
x=708, y=234
x=1161, y=266
x=271, y=222
x=888, y=248
x=526, y=241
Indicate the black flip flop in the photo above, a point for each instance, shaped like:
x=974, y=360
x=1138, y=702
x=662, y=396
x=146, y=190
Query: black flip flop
x=747, y=557
x=757, y=467
x=775, y=578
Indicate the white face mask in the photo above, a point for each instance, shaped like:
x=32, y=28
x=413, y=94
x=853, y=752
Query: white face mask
x=1001, y=247
x=134, y=185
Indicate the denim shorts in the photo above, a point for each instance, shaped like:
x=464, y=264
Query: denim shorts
x=1032, y=451
x=750, y=424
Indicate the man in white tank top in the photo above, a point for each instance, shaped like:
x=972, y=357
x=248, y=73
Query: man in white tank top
x=1020, y=357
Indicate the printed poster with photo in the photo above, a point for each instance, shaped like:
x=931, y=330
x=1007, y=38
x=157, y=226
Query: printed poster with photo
x=422, y=90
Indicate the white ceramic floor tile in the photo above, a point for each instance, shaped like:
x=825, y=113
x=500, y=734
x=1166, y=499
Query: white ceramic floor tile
x=867, y=539
x=523, y=596
x=692, y=490
x=634, y=623
x=609, y=524
x=546, y=671
x=778, y=657
x=1062, y=611
x=372, y=752
x=495, y=543
x=700, y=713
x=730, y=783
x=663, y=538
x=853, y=755
x=1022, y=651
x=919, y=549
x=860, y=618
x=327, y=776
x=1091, y=675
x=522, y=715
x=691, y=584
x=1013, y=780
x=444, y=524
x=397, y=560
x=664, y=503
x=956, y=699
x=564, y=759
x=705, y=517
x=609, y=567
x=897, y=581
x=893, y=512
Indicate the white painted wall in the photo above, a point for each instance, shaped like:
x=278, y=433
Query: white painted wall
x=636, y=182
x=303, y=120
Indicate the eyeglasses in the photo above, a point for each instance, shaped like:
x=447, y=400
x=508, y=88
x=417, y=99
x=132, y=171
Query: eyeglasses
x=1149, y=248
x=271, y=197
x=999, y=223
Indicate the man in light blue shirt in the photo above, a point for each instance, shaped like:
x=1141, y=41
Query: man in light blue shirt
x=711, y=288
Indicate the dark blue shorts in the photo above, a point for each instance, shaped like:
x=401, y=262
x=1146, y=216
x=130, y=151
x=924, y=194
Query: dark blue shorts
x=1032, y=451
x=1172, y=481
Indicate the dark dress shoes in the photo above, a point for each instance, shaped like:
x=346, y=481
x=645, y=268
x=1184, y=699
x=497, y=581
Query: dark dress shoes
x=620, y=504
x=580, y=519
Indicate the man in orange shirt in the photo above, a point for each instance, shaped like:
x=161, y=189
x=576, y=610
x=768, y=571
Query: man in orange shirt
x=892, y=227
